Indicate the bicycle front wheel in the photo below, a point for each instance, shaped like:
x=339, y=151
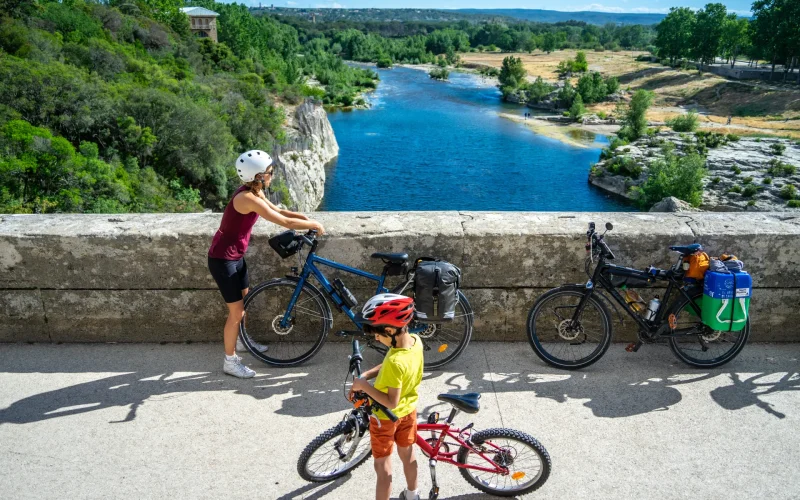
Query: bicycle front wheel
x=527, y=461
x=561, y=341
x=708, y=348
x=310, y=319
x=334, y=453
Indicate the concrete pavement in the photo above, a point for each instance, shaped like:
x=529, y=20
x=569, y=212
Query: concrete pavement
x=156, y=421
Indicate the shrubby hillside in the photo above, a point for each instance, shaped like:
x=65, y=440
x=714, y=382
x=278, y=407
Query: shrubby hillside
x=117, y=107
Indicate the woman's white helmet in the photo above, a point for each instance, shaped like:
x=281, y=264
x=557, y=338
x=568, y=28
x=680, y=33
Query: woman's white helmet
x=251, y=163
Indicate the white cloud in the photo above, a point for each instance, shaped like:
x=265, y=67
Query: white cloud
x=333, y=5
x=291, y=3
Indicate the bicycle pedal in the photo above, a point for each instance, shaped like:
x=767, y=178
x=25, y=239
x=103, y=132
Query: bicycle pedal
x=434, y=493
x=633, y=347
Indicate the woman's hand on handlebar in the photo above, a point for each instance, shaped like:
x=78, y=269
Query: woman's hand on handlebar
x=316, y=226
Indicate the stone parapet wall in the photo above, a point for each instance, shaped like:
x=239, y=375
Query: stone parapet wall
x=132, y=278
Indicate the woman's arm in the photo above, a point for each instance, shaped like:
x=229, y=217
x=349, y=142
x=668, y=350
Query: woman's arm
x=286, y=213
x=248, y=202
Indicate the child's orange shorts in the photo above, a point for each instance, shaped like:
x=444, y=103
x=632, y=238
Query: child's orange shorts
x=403, y=432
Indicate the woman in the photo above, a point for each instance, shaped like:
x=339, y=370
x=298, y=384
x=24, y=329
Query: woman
x=226, y=255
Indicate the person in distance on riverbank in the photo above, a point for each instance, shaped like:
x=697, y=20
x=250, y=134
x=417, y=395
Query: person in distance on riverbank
x=226, y=254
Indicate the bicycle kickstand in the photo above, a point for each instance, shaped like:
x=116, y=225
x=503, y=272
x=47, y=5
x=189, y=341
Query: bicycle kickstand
x=434, y=494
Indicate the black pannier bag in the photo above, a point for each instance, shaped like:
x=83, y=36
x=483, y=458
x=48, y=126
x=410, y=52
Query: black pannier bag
x=436, y=284
x=285, y=243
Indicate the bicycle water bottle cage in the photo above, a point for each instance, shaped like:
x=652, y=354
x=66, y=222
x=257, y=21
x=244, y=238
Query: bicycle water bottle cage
x=347, y=297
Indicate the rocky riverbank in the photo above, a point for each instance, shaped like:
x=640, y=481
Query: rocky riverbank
x=753, y=174
x=310, y=144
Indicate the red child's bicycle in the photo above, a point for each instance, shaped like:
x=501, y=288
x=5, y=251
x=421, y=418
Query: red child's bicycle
x=501, y=462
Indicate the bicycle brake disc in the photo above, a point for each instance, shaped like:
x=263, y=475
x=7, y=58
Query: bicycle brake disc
x=277, y=328
x=568, y=331
x=428, y=332
x=711, y=337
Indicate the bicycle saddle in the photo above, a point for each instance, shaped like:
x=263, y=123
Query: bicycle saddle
x=468, y=403
x=394, y=258
x=687, y=249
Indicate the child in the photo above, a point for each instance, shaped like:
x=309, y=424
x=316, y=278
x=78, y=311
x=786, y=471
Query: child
x=396, y=381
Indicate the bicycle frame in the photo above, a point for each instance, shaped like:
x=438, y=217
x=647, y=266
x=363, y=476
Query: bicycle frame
x=435, y=453
x=652, y=327
x=310, y=269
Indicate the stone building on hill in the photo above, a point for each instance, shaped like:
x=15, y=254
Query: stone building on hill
x=203, y=21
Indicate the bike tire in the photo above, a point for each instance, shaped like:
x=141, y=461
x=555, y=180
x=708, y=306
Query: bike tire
x=260, y=318
x=453, y=336
x=538, y=339
x=320, y=441
x=682, y=353
x=523, y=442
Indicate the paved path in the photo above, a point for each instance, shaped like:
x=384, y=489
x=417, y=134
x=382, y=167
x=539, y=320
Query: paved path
x=150, y=421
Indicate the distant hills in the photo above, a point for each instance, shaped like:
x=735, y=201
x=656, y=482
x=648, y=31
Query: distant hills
x=555, y=16
x=447, y=15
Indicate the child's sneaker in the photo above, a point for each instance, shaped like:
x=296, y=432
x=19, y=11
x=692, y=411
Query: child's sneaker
x=236, y=368
x=241, y=347
x=409, y=495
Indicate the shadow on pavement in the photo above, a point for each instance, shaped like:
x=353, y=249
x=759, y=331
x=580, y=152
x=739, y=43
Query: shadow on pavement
x=611, y=389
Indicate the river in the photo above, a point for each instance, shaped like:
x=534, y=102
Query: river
x=431, y=145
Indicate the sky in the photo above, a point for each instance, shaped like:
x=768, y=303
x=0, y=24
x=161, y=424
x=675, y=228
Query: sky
x=640, y=6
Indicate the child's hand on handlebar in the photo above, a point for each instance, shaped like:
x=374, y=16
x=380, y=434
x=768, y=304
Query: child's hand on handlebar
x=359, y=385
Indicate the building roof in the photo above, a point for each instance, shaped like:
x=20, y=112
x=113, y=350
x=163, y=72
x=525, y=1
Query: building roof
x=198, y=11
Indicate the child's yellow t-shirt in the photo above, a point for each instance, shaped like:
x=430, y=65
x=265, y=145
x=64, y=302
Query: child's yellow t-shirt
x=402, y=369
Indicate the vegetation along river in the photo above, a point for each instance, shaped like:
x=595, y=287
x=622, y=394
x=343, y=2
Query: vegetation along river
x=431, y=145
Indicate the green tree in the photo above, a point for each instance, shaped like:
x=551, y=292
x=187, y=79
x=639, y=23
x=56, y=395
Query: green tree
x=512, y=72
x=549, y=42
x=577, y=110
x=674, y=34
x=580, y=62
x=735, y=37
x=707, y=33
x=776, y=32
x=635, y=121
x=680, y=177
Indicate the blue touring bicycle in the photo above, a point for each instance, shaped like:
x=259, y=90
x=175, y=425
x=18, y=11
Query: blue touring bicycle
x=292, y=316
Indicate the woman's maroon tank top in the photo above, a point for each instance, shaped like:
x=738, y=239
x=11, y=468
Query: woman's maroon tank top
x=231, y=239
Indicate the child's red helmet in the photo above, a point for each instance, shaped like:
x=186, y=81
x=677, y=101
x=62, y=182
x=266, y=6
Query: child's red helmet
x=387, y=309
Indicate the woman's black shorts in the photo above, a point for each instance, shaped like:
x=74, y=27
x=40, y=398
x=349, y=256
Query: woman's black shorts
x=231, y=277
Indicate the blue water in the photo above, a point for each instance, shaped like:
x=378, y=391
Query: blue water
x=430, y=145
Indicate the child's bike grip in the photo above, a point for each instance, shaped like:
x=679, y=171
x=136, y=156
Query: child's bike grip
x=385, y=410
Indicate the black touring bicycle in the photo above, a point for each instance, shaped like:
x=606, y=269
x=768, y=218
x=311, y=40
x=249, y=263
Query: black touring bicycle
x=570, y=326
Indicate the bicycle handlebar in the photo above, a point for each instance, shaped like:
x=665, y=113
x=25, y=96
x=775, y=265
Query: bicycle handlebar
x=355, y=368
x=595, y=240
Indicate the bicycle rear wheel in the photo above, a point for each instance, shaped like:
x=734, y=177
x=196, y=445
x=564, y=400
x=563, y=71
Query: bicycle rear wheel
x=559, y=341
x=309, y=322
x=444, y=342
x=709, y=348
x=527, y=461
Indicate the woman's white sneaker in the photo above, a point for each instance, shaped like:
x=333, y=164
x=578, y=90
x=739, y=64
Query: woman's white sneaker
x=241, y=347
x=236, y=368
